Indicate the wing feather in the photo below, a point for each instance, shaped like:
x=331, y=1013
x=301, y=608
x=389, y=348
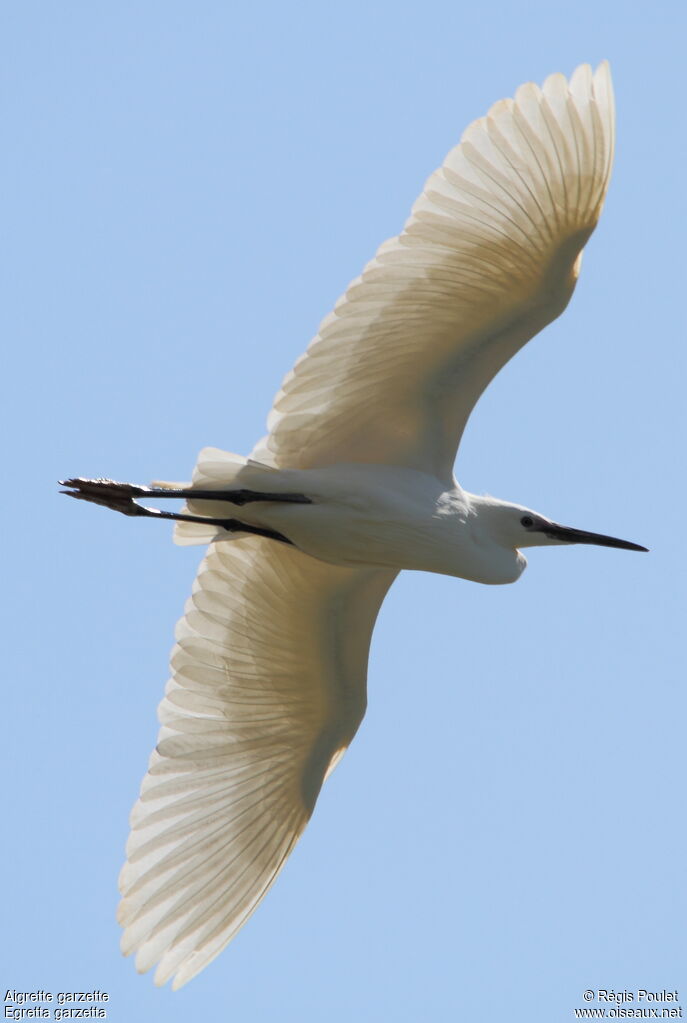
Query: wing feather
x=268, y=688
x=488, y=257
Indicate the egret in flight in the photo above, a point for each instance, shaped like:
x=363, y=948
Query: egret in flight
x=353, y=483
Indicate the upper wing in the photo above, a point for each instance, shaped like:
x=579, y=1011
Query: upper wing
x=268, y=688
x=487, y=258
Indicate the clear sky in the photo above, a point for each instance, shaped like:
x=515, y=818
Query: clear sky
x=188, y=188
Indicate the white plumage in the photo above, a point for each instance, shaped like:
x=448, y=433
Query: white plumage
x=267, y=687
x=486, y=259
x=269, y=670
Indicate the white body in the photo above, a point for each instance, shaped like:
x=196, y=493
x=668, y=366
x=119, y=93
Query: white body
x=268, y=679
x=368, y=515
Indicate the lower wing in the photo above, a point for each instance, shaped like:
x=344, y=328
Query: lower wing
x=268, y=689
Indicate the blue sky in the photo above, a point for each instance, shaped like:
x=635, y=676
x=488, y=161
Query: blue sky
x=189, y=188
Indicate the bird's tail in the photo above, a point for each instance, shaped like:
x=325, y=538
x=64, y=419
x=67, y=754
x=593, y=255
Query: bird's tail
x=217, y=470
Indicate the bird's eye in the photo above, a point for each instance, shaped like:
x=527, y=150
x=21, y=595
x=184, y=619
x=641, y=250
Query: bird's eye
x=527, y=521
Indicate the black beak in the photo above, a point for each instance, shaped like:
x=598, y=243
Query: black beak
x=566, y=535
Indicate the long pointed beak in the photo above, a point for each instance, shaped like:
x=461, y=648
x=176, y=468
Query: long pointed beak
x=564, y=534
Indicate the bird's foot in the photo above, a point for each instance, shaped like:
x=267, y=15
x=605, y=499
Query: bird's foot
x=109, y=493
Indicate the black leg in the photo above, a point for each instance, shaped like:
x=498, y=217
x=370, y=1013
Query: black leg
x=111, y=490
x=120, y=497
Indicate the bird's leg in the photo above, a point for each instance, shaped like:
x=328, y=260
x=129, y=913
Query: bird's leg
x=108, y=492
x=120, y=497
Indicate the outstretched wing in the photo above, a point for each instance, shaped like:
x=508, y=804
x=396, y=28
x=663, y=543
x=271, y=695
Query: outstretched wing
x=488, y=257
x=268, y=689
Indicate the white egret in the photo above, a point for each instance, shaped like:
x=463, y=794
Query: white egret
x=353, y=483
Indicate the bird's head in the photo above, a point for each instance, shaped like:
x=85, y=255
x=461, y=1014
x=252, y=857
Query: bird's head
x=512, y=527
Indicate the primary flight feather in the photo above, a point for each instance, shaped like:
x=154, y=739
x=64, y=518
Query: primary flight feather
x=353, y=483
